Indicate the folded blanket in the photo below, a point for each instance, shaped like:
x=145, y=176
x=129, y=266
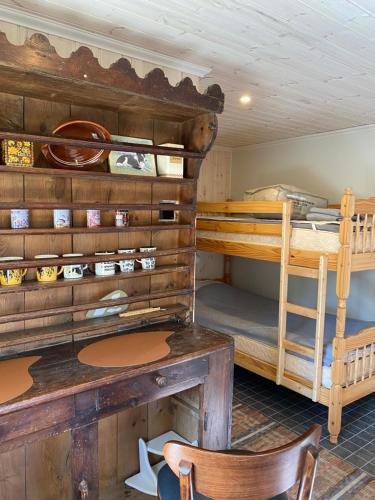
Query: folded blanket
x=323, y=214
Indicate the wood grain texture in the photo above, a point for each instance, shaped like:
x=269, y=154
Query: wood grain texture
x=116, y=87
x=48, y=468
x=12, y=472
x=239, y=474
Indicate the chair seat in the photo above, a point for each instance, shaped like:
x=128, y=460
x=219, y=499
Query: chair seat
x=169, y=486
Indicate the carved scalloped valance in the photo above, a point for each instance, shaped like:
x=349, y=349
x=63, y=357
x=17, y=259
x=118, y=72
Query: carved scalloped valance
x=37, y=70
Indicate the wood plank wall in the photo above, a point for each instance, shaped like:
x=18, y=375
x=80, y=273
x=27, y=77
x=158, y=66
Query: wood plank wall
x=214, y=184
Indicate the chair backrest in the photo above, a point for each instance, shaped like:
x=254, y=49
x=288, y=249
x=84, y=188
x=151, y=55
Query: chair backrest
x=246, y=475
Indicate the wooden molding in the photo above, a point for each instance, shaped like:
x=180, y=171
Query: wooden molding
x=36, y=66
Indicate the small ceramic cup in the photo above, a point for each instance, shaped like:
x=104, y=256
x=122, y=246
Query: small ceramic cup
x=61, y=218
x=19, y=218
x=48, y=273
x=105, y=268
x=93, y=217
x=9, y=277
x=126, y=266
x=149, y=262
x=74, y=271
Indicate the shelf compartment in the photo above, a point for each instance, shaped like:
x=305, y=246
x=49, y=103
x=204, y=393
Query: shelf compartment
x=56, y=311
x=105, y=176
x=32, y=285
x=106, y=145
x=75, y=330
x=36, y=205
x=89, y=259
x=93, y=230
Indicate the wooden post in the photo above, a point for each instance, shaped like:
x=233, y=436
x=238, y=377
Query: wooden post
x=227, y=269
x=85, y=463
x=283, y=296
x=216, y=402
x=342, y=292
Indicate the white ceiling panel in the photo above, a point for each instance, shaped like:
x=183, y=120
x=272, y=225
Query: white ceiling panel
x=309, y=65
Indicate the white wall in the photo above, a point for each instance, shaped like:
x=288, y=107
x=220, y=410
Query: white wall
x=323, y=164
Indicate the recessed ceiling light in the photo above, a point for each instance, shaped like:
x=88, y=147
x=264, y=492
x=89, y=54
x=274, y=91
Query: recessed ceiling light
x=245, y=99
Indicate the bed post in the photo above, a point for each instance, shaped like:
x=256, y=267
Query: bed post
x=283, y=294
x=342, y=292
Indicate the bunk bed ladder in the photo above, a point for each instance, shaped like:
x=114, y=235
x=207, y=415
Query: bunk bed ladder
x=297, y=383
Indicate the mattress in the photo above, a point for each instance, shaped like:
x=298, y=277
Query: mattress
x=252, y=321
x=306, y=235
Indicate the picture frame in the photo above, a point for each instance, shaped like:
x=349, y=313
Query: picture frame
x=129, y=163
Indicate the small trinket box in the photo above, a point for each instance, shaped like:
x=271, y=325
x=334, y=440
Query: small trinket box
x=17, y=153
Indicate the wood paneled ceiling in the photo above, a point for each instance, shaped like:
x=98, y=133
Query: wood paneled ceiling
x=309, y=65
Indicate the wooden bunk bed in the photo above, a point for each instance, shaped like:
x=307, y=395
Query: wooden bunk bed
x=352, y=368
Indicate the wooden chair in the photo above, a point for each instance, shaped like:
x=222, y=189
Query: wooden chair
x=243, y=475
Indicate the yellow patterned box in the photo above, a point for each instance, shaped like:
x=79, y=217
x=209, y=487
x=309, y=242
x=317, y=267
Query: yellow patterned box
x=18, y=153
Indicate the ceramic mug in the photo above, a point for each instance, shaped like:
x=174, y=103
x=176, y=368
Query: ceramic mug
x=9, y=277
x=61, y=218
x=19, y=218
x=149, y=262
x=74, y=271
x=93, y=217
x=126, y=266
x=105, y=268
x=48, y=273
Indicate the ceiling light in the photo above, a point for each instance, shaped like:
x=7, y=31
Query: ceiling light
x=245, y=99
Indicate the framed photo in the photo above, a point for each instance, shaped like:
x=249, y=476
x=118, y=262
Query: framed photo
x=126, y=162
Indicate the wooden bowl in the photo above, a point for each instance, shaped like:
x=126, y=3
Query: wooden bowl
x=61, y=156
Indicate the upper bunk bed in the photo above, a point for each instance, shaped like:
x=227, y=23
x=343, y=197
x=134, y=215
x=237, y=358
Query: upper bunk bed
x=259, y=229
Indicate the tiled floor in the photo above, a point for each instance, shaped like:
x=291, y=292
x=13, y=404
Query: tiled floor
x=356, y=441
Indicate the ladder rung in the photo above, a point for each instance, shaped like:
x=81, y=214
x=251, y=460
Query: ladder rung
x=301, y=310
x=299, y=348
x=303, y=387
x=304, y=272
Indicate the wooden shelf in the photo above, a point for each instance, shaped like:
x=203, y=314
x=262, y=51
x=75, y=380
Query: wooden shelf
x=56, y=311
x=86, y=259
x=32, y=285
x=105, y=176
x=66, y=332
x=106, y=145
x=93, y=230
x=92, y=205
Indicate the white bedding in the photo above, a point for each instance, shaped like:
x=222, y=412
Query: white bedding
x=317, y=236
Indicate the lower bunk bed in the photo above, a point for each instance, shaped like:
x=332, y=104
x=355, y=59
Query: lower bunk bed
x=252, y=320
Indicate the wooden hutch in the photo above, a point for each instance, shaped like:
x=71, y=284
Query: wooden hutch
x=80, y=423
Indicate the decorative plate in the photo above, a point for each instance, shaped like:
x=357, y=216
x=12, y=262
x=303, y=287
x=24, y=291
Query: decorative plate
x=109, y=310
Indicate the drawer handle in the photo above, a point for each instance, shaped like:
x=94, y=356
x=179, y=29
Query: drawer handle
x=161, y=381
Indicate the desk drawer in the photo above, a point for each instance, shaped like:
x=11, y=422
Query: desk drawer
x=154, y=385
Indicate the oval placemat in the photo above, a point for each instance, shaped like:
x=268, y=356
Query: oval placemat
x=15, y=377
x=126, y=350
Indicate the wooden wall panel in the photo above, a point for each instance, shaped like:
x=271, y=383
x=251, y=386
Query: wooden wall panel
x=12, y=474
x=48, y=469
x=214, y=184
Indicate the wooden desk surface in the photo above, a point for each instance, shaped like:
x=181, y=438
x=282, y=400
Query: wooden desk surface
x=68, y=396
x=59, y=373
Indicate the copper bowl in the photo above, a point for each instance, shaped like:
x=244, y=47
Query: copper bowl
x=62, y=156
